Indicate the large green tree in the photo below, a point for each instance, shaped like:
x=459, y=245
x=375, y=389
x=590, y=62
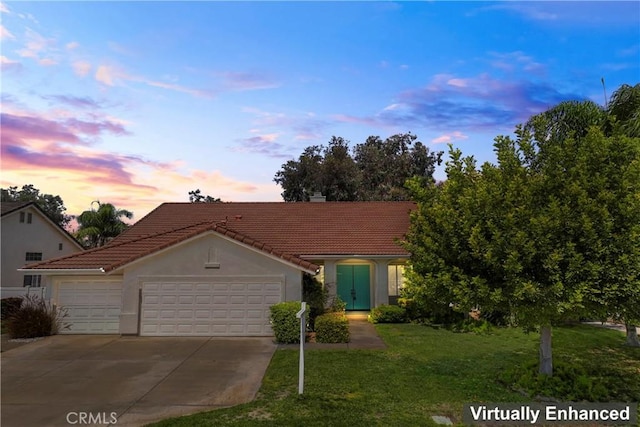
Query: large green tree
x=340, y=179
x=546, y=234
x=52, y=205
x=621, y=291
x=385, y=165
x=301, y=178
x=374, y=170
x=99, y=226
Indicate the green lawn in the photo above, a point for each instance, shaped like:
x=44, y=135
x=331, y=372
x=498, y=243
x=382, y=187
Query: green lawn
x=424, y=372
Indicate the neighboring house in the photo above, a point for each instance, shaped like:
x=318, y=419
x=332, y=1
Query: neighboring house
x=215, y=268
x=28, y=235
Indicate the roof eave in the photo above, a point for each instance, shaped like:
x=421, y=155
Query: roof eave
x=65, y=271
x=359, y=256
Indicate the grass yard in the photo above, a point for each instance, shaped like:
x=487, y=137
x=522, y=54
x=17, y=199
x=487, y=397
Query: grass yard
x=424, y=372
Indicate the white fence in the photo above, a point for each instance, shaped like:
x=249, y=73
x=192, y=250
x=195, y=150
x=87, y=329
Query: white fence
x=24, y=291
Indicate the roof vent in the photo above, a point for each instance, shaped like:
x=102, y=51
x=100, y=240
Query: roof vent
x=238, y=217
x=317, y=197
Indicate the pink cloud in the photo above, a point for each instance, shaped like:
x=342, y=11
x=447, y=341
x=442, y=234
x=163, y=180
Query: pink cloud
x=262, y=144
x=7, y=64
x=47, y=62
x=75, y=101
x=37, y=47
x=110, y=75
x=5, y=34
x=242, y=81
x=448, y=138
x=19, y=129
x=81, y=68
x=56, y=154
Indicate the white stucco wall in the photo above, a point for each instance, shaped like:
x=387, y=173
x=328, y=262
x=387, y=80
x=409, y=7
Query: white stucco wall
x=18, y=238
x=190, y=259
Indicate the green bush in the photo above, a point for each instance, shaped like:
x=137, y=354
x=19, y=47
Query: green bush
x=337, y=305
x=424, y=312
x=9, y=306
x=315, y=295
x=472, y=325
x=388, y=314
x=285, y=324
x=411, y=308
x=497, y=318
x=332, y=328
x=36, y=318
x=570, y=382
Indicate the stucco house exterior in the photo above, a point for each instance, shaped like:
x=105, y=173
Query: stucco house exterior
x=214, y=269
x=28, y=235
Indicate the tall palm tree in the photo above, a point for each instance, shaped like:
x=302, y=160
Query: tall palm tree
x=98, y=227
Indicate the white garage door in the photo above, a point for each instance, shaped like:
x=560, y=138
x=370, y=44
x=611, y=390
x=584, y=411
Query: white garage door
x=207, y=309
x=93, y=307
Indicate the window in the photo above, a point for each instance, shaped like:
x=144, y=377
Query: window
x=21, y=216
x=32, y=280
x=59, y=246
x=29, y=218
x=34, y=256
x=396, y=279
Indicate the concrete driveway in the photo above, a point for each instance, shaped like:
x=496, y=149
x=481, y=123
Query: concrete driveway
x=127, y=381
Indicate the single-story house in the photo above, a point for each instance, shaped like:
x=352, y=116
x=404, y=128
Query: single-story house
x=214, y=269
x=29, y=235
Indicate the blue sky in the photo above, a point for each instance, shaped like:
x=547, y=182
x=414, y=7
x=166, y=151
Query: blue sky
x=137, y=103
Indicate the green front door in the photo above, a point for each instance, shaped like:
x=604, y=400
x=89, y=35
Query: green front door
x=354, y=286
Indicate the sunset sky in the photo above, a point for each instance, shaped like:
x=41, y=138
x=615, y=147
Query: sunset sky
x=137, y=103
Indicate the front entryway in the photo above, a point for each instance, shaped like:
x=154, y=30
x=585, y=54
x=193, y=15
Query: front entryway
x=354, y=286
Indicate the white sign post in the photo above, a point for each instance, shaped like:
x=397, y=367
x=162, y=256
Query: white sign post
x=303, y=327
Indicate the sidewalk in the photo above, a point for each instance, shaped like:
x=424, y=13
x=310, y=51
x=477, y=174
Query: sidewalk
x=363, y=337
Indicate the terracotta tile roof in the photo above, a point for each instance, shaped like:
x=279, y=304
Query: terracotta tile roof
x=290, y=231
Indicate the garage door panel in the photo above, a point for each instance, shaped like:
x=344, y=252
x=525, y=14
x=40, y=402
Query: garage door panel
x=237, y=299
x=202, y=314
x=218, y=288
x=219, y=314
x=220, y=299
x=208, y=309
x=271, y=299
x=254, y=314
x=92, y=307
x=203, y=299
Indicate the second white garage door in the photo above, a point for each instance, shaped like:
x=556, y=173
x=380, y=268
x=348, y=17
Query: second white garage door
x=207, y=309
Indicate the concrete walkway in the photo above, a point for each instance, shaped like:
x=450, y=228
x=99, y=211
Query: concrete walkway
x=363, y=337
